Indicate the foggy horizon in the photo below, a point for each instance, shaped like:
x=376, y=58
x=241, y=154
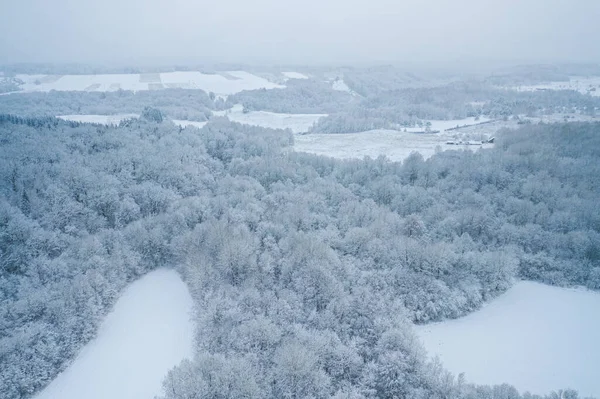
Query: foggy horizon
x=134, y=32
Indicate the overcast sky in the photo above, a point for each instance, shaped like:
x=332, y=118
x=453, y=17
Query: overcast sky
x=292, y=31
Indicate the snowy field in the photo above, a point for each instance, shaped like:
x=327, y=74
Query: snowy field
x=221, y=84
x=395, y=145
x=339, y=85
x=99, y=119
x=536, y=337
x=480, y=132
x=148, y=332
x=294, y=75
x=442, y=126
x=298, y=123
x=583, y=85
x=184, y=123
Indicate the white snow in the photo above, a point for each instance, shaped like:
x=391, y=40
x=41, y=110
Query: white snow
x=184, y=123
x=216, y=83
x=100, y=119
x=581, y=84
x=148, y=332
x=82, y=82
x=536, y=337
x=294, y=75
x=395, y=145
x=298, y=123
x=339, y=85
x=441, y=126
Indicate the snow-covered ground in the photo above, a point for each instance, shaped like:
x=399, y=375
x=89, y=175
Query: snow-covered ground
x=536, y=337
x=294, y=75
x=441, y=126
x=395, y=145
x=562, y=117
x=148, y=332
x=339, y=85
x=581, y=84
x=298, y=123
x=100, y=119
x=184, y=123
x=480, y=132
x=116, y=119
x=222, y=84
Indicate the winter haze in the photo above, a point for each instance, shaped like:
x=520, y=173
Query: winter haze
x=303, y=32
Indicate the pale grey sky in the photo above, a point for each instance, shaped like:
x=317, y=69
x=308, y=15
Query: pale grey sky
x=292, y=31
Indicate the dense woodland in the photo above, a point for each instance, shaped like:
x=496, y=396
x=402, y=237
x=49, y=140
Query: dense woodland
x=307, y=272
x=298, y=97
x=8, y=85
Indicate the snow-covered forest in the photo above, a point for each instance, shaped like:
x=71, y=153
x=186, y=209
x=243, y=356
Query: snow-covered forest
x=307, y=272
x=387, y=100
x=299, y=199
x=193, y=105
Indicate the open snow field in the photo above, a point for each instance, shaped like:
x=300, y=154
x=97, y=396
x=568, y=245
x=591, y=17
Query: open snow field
x=339, y=85
x=184, y=123
x=442, y=126
x=294, y=75
x=221, y=84
x=536, y=337
x=148, y=332
x=99, y=119
x=581, y=84
x=480, y=132
x=395, y=145
x=298, y=123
